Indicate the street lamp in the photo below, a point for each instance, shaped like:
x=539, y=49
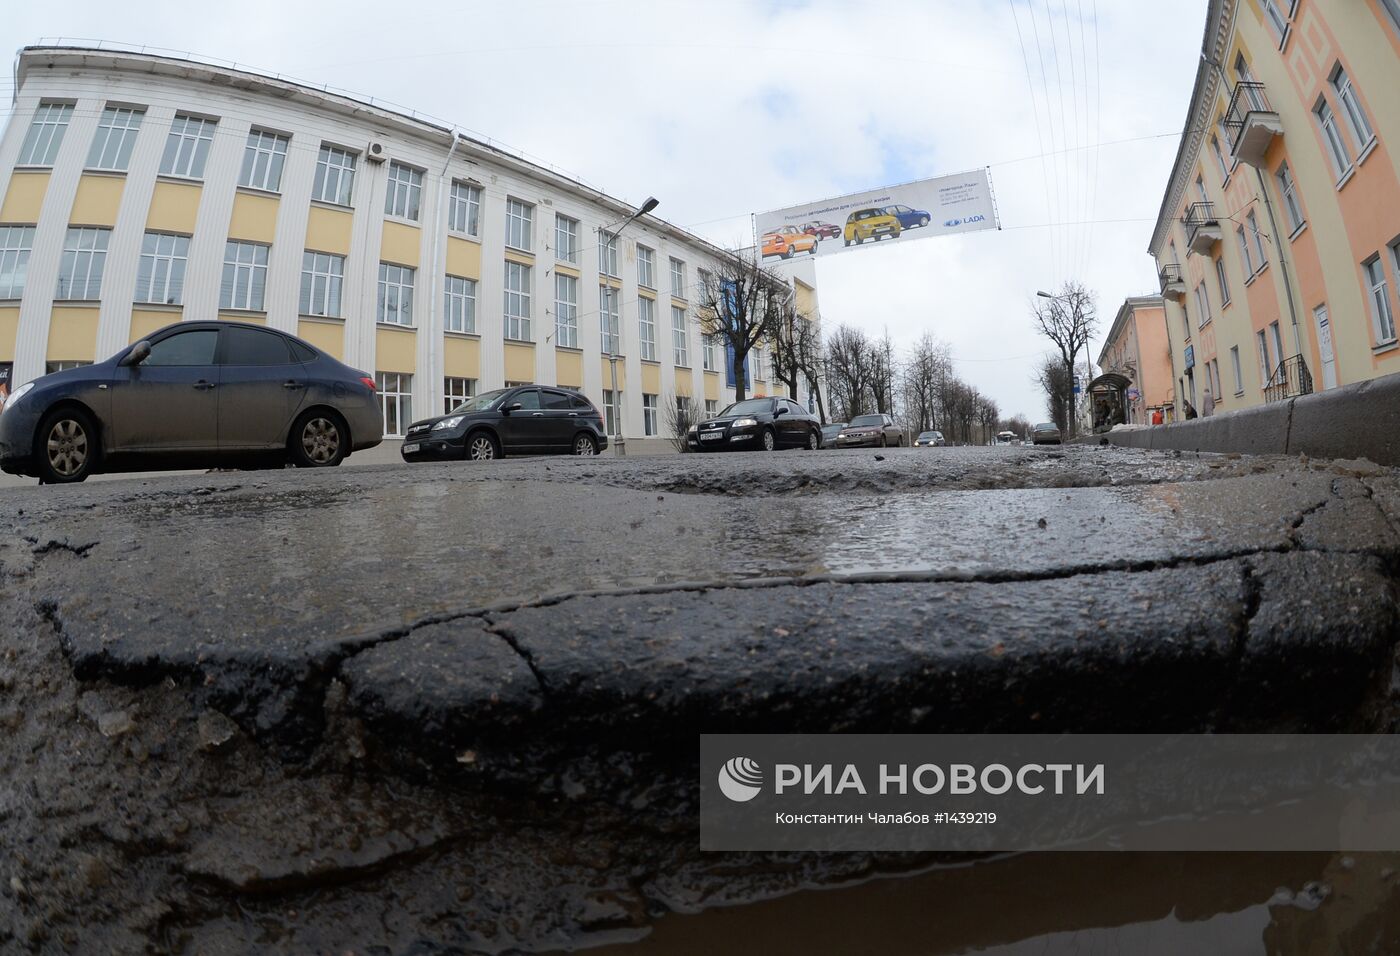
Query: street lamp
x=1088, y=365
x=609, y=235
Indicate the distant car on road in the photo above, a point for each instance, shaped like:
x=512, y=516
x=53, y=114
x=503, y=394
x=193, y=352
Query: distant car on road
x=930, y=439
x=1007, y=438
x=909, y=218
x=1046, y=433
x=192, y=395
x=757, y=423
x=785, y=241
x=874, y=223
x=829, y=432
x=822, y=230
x=870, y=430
x=525, y=420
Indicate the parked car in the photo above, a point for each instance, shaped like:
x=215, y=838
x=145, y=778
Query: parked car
x=830, y=431
x=1046, y=433
x=762, y=423
x=870, y=430
x=192, y=395
x=929, y=440
x=874, y=223
x=822, y=230
x=909, y=217
x=524, y=420
x=787, y=240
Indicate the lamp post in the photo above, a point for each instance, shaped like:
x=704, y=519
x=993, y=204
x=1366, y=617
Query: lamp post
x=1088, y=366
x=609, y=235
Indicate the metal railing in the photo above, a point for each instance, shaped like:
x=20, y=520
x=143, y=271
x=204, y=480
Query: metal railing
x=1171, y=272
x=1289, y=380
x=1250, y=97
x=1199, y=215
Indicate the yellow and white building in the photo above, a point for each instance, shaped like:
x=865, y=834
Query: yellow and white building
x=1278, y=241
x=140, y=190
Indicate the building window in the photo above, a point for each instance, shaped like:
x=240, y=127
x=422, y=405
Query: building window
x=1382, y=319
x=187, y=147
x=678, y=276
x=115, y=137
x=1214, y=368
x=1276, y=18
x=1341, y=158
x=1265, y=369
x=161, y=275
x=1258, y=239
x=464, y=209
x=263, y=159
x=396, y=400
x=517, y=303
x=245, y=276
x=565, y=311
x=520, y=225
x=459, y=304
x=646, y=268
x=646, y=324
x=680, y=343
x=321, y=277
x=608, y=319
x=711, y=406
x=1220, y=157
x=63, y=365
x=1392, y=7
x=403, y=192
x=707, y=350
x=395, y=305
x=1276, y=337
x=1235, y=367
x=1224, y=286
x=565, y=239
x=1202, y=306
x=80, y=270
x=649, y=415
x=1287, y=188
x=335, y=176
x=15, y=245
x=45, y=134
x=607, y=255
x=1351, y=106
x=610, y=410
x=455, y=391
x=1244, y=252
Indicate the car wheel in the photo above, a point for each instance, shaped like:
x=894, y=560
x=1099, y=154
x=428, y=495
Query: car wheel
x=812, y=251
x=923, y=220
x=769, y=440
x=481, y=446
x=814, y=440
x=67, y=448
x=884, y=441
x=318, y=440
x=585, y=445
x=787, y=252
x=847, y=241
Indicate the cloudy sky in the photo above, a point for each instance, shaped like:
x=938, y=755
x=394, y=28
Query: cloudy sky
x=726, y=107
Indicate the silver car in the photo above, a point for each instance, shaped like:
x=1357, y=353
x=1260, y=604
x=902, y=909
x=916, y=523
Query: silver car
x=878, y=431
x=1046, y=433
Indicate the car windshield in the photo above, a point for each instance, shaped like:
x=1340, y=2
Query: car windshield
x=861, y=420
x=480, y=403
x=924, y=435
x=753, y=406
x=1046, y=427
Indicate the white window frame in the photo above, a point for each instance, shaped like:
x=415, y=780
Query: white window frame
x=1202, y=305
x=610, y=409
x=1382, y=313
x=115, y=138
x=678, y=289
x=459, y=304
x=1276, y=338
x=708, y=357
x=566, y=233
x=646, y=267
x=1258, y=238
x=1359, y=124
x=520, y=225
x=607, y=256
x=187, y=146
x=680, y=338
x=455, y=391
x=322, y=284
x=517, y=302
x=646, y=328
x=1332, y=136
x=649, y=408
x=565, y=310
x=1265, y=368
x=610, y=319
x=1276, y=19
x=711, y=406
x=464, y=209
x=16, y=245
x=394, y=303
x=335, y=176
x=1392, y=7
x=160, y=274
x=1288, y=189
x=403, y=192
x=45, y=135
x=84, y=259
x=1219, y=156
x=1239, y=372
x=244, y=282
x=1224, y=283
x=1244, y=254
x=399, y=398
x=264, y=156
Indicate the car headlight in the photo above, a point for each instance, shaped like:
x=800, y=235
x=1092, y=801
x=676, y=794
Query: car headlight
x=17, y=394
x=452, y=422
x=745, y=422
x=693, y=429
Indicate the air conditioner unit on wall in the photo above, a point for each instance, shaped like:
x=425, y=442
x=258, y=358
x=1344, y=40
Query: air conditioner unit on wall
x=374, y=152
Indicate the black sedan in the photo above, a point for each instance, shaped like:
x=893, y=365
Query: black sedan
x=759, y=423
x=193, y=395
x=526, y=420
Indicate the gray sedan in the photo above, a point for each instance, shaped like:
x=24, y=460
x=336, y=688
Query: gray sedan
x=1046, y=433
x=193, y=395
x=870, y=430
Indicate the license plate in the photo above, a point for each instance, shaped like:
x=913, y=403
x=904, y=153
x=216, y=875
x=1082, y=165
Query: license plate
x=411, y=448
x=711, y=436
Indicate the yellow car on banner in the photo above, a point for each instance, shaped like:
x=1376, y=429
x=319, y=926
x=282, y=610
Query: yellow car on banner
x=875, y=223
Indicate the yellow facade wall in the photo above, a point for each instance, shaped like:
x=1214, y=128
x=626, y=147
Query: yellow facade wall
x=651, y=378
x=24, y=198
x=607, y=373
x=684, y=384
x=562, y=269
x=72, y=335
x=9, y=328
x=568, y=368
x=523, y=258
x=399, y=244
x=329, y=337
x=520, y=362
x=711, y=386
x=97, y=201
x=251, y=318
x=395, y=350
x=328, y=230
x=254, y=218
x=146, y=321
x=461, y=357
x=174, y=207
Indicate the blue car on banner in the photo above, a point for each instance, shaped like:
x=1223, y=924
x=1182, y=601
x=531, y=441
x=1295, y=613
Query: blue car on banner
x=908, y=216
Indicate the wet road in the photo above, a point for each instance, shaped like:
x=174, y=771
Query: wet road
x=444, y=702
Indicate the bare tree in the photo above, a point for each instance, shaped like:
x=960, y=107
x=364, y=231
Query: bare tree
x=739, y=305
x=1068, y=320
x=988, y=414
x=680, y=414
x=797, y=353
x=1058, y=385
x=1018, y=424
x=882, y=374
x=848, y=371
x=929, y=365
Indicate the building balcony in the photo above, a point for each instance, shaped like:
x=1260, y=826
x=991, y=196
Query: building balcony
x=1173, y=282
x=1251, y=123
x=1289, y=380
x=1202, y=228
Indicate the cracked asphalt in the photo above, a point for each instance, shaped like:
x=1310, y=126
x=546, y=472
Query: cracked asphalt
x=455, y=707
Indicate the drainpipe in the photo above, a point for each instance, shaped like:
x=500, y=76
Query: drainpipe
x=434, y=284
x=1282, y=262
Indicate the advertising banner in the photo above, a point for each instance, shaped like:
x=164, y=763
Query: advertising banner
x=928, y=207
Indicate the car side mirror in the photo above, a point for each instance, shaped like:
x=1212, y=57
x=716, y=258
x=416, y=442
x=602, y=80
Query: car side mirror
x=781, y=411
x=138, y=354
x=514, y=407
